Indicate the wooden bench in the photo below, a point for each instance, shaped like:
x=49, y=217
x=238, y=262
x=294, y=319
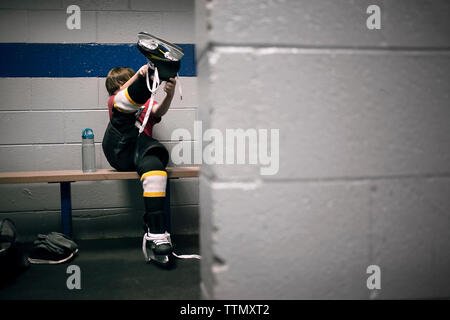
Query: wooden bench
x=66, y=177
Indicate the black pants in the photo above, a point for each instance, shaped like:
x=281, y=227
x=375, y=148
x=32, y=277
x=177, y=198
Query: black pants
x=126, y=150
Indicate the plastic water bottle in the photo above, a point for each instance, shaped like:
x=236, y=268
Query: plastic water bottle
x=88, y=150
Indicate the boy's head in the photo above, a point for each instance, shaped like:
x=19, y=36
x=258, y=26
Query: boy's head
x=116, y=78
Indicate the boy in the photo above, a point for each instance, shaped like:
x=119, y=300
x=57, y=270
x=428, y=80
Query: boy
x=127, y=150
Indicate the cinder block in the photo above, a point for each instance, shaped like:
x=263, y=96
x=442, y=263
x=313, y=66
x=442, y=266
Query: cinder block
x=175, y=119
x=204, y=81
x=202, y=25
x=206, y=234
x=344, y=113
x=176, y=149
x=107, y=194
x=123, y=27
x=31, y=127
x=17, y=158
x=97, y=4
x=101, y=161
x=328, y=23
x=289, y=240
x=410, y=238
x=106, y=223
x=15, y=93
x=14, y=26
x=31, y=4
x=64, y=93
x=353, y=119
x=45, y=157
x=184, y=191
x=178, y=27
x=57, y=157
x=50, y=27
x=189, y=91
x=103, y=95
x=162, y=5
x=184, y=220
x=76, y=121
x=326, y=238
x=24, y=197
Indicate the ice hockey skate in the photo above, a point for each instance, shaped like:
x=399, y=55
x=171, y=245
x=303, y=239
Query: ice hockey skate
x=160, y=54
x=157, y=248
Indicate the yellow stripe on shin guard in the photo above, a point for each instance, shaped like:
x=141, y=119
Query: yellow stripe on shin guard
x=154, y=183
x=124, y=103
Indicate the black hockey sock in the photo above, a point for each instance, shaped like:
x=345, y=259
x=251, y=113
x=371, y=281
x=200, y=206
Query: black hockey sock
x=154, y=220
x=138, y=90
x=154, y=179
x=154, y=214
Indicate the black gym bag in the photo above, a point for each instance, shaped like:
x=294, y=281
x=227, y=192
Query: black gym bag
x=12, y=258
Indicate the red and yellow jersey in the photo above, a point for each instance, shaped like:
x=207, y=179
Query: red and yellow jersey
x=139, y=115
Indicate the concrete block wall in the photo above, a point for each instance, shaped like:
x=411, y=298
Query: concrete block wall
x=41, y=118
x=364, y=149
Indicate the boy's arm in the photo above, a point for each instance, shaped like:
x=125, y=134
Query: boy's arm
x=161, y=109
x=141, y=72
x=129, y=102
x=133, y=94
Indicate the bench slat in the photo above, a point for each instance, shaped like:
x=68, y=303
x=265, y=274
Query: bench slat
x=79, y=175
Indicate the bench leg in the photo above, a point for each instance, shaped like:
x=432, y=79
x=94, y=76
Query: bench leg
x=167, y=207
x=66, y=209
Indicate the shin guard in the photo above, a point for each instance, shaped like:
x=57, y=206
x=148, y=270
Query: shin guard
x=154, y=185
x=130, y=99
x=124, y=103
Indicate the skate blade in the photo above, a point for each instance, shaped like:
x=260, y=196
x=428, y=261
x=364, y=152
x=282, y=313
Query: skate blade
x=162, y=261
x=151, y=42
x=159, y=259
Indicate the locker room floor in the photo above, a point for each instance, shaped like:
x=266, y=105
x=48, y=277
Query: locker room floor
x=112, y=269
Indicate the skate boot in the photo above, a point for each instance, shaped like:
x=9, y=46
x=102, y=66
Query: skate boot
x=157, y=248
x=163, y=55
x=164, y=59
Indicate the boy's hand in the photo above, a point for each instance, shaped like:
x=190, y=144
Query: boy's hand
x=161, y=109
x=170, y=87
x=143, y=70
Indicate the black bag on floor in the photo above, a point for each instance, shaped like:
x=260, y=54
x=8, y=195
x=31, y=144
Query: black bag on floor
x=12, y=258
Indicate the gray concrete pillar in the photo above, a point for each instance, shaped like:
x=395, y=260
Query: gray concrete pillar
x=364, y=148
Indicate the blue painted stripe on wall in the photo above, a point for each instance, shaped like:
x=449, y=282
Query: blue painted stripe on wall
x=58, y=60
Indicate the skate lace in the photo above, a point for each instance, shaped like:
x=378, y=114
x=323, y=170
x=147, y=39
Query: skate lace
x=153, y=88
x=160, y=239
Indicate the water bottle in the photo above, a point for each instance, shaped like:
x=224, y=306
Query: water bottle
x=88, y=150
